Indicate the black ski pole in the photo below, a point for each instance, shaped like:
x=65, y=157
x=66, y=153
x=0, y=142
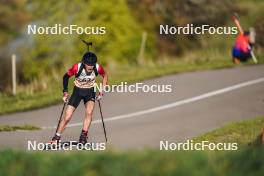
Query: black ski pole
x=60, y=117
x=48, y=147
x=102, y=119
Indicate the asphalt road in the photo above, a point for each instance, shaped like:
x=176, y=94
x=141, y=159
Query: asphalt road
x=199, y=102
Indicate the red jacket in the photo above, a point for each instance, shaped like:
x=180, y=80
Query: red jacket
x=242, y=43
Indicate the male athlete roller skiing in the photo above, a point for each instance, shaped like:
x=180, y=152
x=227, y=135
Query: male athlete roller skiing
x=85, y=74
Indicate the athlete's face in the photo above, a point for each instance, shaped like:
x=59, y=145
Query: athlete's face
x=88, y=68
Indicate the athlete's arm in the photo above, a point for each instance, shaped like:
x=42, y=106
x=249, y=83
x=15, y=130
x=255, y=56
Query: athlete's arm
x=66, y=78
x=105, y=80
x=236, y=21
x=103, y=73
x=72, y=71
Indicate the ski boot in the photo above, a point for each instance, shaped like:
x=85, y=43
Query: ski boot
x=83, y=137
x=55, y=140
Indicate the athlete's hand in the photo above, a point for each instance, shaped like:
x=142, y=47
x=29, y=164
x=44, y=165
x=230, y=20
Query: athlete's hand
x=100, y=96
x=65, y=97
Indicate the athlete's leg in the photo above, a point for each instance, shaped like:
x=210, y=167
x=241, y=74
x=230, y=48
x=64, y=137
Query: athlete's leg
x=89, y=107
x=236, y=53
x=236, y=60
x=72, y=105
x=67, y=117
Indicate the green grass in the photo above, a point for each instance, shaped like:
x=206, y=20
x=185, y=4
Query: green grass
x=14, y=128
x=246, y=161
x=244, y=132
x=24, y=102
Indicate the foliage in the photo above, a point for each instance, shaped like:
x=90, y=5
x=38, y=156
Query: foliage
x=179, y=13
x=13, y=17
x=259, y=27
x=120, y=43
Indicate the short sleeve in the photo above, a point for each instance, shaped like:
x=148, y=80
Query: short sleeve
x=73, y=70
x=100, y=69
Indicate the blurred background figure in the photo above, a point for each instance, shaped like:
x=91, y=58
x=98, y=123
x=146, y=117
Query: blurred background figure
x=243, y=45
x=240, y=50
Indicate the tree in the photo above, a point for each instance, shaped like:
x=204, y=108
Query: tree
x=13, y=18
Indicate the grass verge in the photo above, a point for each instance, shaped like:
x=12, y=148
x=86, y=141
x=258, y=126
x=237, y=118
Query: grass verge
x=14, y=128
x=244, y=132
x=246, y=161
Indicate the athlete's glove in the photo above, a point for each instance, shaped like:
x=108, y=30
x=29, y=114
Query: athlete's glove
x=100, y=96
x=65, y=97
